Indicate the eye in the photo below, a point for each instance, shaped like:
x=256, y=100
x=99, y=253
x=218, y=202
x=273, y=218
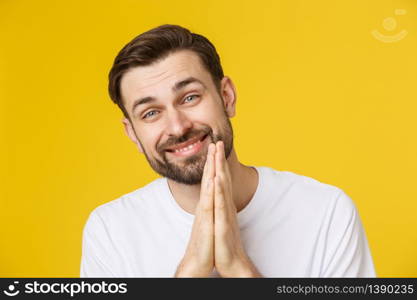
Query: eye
x=190, y=98
x=150, y=114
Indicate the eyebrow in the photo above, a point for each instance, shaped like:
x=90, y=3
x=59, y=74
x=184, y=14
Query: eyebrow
x=177, y=87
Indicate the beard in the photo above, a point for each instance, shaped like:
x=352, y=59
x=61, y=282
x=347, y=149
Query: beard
x=190, y=170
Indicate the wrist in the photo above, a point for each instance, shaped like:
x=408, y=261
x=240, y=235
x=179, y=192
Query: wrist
x=191, y=269
x=249, y=271
x=242, y=268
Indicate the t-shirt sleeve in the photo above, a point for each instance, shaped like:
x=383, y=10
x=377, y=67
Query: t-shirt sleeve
x=347, y=251
x=98, y=250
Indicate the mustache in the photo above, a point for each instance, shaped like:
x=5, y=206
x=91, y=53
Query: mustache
x=172, y=141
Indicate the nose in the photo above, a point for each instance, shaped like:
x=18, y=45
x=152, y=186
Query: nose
x=177, y=123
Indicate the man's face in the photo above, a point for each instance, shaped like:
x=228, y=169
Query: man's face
x=176, y=111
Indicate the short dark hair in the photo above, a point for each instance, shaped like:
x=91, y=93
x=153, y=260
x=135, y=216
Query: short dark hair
x=156, y=44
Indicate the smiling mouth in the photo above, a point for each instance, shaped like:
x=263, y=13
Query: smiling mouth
x=189, y=148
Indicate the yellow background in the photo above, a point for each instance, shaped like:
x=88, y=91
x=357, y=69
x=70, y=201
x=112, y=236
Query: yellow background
x=317, y=95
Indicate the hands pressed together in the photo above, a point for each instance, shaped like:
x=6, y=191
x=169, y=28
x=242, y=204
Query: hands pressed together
x=215, y=237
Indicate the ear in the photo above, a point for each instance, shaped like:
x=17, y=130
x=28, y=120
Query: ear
x=228, y=92
x=131, y=133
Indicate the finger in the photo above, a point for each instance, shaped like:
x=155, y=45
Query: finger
x=207, y=185
x=203, y=228
x=220, y=159
x=220, y=149
x=209, y=170
x=209, y=167
x=221, y=162
x=222, y=171
x=220, y=212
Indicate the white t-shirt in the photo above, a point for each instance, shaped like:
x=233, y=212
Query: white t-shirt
x=294, y=226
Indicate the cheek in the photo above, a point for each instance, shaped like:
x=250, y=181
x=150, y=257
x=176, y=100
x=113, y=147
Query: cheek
x=149, y=141
x=211, y=113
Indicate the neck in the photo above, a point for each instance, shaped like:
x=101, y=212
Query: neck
x=244, y=184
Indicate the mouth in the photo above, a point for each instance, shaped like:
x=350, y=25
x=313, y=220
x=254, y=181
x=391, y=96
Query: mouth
x=191, y=147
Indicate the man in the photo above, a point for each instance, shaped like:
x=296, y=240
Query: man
x=209, y=215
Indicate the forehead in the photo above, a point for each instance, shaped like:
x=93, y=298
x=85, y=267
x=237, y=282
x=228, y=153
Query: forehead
x=158, y=78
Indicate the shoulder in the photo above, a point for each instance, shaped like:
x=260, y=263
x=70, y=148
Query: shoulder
x=298, y=183
x=128, y=206
x=306, y=193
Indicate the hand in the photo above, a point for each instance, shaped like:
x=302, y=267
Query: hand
x=198, y=260
x=215, y=236
x=230, y=258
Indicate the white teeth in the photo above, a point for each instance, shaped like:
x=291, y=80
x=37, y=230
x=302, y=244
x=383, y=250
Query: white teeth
x=186, y=148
